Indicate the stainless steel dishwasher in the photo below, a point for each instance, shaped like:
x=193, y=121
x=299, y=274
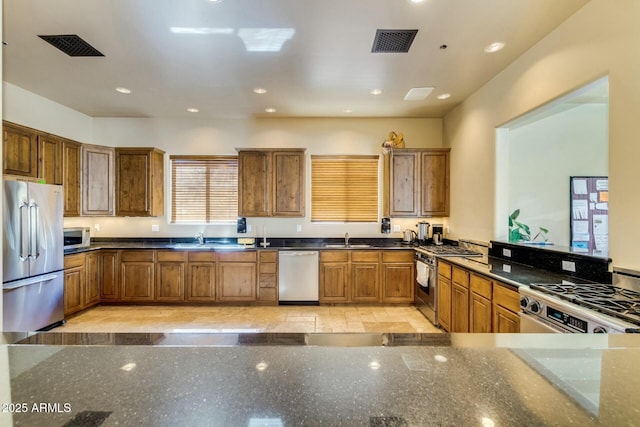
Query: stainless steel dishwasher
x=298, y=277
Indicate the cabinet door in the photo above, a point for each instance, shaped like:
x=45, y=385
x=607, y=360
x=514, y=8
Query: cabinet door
x=19, y=150
x=398, y=282
x=404, y=190
x=97, y=180
x=71, y=177
x=444, y=303
x=50, y=159
x=254, y=183
x=334, y=282
x=288, y=184
x=479, y=313
x=365, y=282
x=133, y=170
x=109, y=289
x=74, y=285
x=137, y=278
x=237, y=281
x=202, y=281
x=94, y=278
x=434, y=184
x=505, y=321
x=170, y=275
x=459, y=308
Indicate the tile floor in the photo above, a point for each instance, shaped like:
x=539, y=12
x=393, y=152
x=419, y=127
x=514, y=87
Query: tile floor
x=250, y=319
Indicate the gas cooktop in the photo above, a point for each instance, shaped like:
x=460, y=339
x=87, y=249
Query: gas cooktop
x=604, y=298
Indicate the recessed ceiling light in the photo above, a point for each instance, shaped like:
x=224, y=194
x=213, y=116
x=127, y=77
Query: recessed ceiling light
x=260, y=90
x=376, y=91
x=192, y=110
x=215, y=1
x=416, y=1
x=444, y=96
x=418, y=93
x=494, y=47
x=270, y=110
x=123, y=90
x=347, y=110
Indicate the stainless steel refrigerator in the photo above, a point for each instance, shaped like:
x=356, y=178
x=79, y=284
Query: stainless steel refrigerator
x=33, y=256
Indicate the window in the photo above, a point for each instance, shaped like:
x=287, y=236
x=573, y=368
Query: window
x=344, y=188
x=204, y=189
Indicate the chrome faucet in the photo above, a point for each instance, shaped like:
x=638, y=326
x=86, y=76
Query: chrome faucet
x=346, y=239
x=200, y=238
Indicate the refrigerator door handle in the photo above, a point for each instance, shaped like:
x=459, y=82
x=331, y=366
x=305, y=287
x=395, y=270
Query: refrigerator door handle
x=34, y=243
x=30, y=281
x=25, y=231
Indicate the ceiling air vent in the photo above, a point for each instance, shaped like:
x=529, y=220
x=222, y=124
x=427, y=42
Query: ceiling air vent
x=72, y=45
x=393, y=41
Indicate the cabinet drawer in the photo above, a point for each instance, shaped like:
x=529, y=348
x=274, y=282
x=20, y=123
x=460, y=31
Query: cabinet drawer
x=175, y=256
x=334, y=256
x=267, y=294
x=75, y=260
x=444, y=269
x=267, y=281
x=237, y=256
x=506, y=298
x=365, y=256
x=480, y=285
x=397, y=256
x=268, y=267
x=460, y=276
x=199, y=256
x=137, y=256
x=268, y=256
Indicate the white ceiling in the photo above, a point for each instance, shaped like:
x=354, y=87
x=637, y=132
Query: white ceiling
x=326, y=67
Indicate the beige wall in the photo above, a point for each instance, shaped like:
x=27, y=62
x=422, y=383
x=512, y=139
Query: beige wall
x=602, y=38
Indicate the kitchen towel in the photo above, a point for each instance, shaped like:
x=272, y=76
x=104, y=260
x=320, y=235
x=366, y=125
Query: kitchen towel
x=423, y=274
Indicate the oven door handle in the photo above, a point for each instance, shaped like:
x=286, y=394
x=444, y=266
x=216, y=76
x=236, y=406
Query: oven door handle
x=534, y=325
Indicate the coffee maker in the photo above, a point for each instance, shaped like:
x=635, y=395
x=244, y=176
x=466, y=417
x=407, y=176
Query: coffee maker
x=438, y=233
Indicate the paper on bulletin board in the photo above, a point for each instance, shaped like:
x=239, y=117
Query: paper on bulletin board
x=581, y=209
x=601, y=232
x=581, y=231
x=602, y=185
x=580, y=186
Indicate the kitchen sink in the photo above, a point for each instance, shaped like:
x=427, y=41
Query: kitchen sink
x=207, y=246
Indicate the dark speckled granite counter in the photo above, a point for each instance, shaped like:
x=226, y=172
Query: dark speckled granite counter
x=335, y=379
x=510, y=272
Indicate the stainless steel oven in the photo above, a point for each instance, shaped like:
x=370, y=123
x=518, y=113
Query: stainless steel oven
x=426, y=286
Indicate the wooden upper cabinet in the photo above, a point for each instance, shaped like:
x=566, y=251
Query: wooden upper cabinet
x=434, y=183
x=71, y=161
x=288, y=183
x=271, y=182
x=416, y=183
x=97, y=180
x=50, y=159
x=139, y=182
x=19, y=150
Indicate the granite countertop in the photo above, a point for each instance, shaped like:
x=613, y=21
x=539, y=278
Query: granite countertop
x=231, y=244
x=511, y=273
x=325, y=379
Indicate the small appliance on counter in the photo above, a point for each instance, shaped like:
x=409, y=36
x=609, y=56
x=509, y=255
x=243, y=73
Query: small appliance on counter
x=409, y=236
x=77, y=237
x=385, y=225
x=423, y=232
x=438, y=234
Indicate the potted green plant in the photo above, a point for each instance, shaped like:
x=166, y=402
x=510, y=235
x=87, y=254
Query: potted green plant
x=520, y=232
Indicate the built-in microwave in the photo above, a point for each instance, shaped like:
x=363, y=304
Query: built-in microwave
x=77, y=237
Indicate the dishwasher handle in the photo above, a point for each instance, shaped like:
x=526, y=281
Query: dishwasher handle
x=298, y=253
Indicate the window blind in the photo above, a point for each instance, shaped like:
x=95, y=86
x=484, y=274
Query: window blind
x=344, y=188
x=204, y=188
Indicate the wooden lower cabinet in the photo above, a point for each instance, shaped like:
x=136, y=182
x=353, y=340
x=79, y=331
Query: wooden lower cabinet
x=479, y=314
x=506, y=305
x=459, y=300
x=334, y=276
x=444, y=295
x=170, y=275
x=109, y=285
x=237, y=276
x=74, y=283
x=93, y=265
x=201, y=276
x=365, y=276
x=137, y=276
x=398, y=276
x=268, y=276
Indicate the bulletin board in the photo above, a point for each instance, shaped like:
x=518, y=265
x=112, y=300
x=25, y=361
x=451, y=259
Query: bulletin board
x=590, y=213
